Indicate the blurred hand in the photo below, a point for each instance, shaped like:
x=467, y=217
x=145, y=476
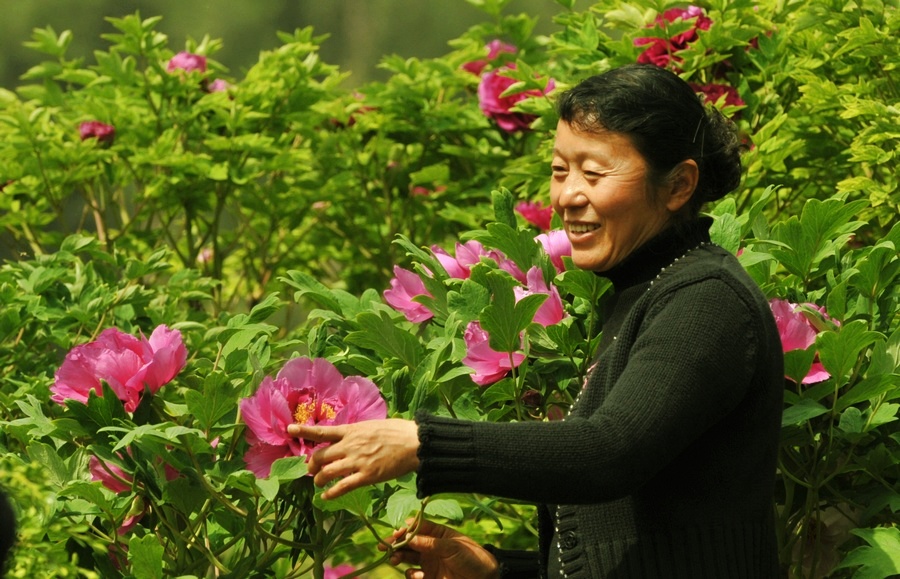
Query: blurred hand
x=360, y=454
x=439, y=552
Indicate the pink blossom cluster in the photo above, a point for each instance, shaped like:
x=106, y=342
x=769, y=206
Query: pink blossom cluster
x=105, y=134
x=494, y=83
x=495, y=49
x=498, y=106
x=488, y=364
x=407, y=285
x=663, y=51
x=305, y=391
x=187, y=62
x=129, y=365
x=798, y=333
x=536, y=213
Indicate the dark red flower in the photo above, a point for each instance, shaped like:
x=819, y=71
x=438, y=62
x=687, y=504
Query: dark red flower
x=499, y=108
x=97, y=130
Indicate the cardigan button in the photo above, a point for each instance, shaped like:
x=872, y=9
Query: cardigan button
x=570, y=540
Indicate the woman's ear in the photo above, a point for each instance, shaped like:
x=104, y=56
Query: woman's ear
x=682, y=184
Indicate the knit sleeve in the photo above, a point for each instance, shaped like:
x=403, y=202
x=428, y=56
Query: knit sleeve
x=688, y=365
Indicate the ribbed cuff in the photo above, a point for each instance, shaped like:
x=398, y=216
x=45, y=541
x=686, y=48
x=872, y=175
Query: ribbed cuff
x=446, y=454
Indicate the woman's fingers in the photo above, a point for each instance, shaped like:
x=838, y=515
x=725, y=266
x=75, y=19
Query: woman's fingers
x=317, y=433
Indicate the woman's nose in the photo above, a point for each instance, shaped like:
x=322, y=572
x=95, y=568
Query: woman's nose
x=572, y=192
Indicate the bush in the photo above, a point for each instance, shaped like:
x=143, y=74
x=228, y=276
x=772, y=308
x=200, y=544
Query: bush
x=263, y=217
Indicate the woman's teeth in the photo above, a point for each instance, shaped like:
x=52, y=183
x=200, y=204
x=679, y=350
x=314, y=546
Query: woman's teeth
x=582, y=227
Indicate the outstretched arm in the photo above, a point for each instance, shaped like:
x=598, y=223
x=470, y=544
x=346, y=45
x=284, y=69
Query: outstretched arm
x=360, y=454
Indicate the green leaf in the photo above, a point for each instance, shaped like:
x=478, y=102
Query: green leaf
x=446, y=508
x=288, y=468
x=504, y=211
x=869, y=389
x=802, y=412
x=852, y=421
x=822, y=227
x=401, y=505
x=358, y=501
x=379, y=333
x=881, y=558
x=146, y=556
x=798, y=362
x=218, y=397
x=583, y=284
x=839, y=350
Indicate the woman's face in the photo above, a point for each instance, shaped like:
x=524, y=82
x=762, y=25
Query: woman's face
x=599, y=186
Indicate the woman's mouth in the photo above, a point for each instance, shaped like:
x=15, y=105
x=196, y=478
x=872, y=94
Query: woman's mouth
x=578, y=228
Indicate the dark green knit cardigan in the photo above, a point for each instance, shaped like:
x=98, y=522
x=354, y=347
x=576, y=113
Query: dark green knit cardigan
x=666, y=465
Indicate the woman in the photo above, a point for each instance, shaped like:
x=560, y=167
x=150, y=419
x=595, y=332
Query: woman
x=665, y=466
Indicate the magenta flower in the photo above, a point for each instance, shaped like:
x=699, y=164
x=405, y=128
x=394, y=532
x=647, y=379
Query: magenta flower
x=489, y=365
x=96, y=130
x=557, y=245
x=127, y=364
x=469, y=254
x=404, y=287
x=495, y=48
x=551, y=311
x=798, y=333
x=305, y=391
x=339, y=571
x=660, y=51
x=219, y=85
x=713, y=92
x=536, y=213
x=112, y=477
x=186, y=61
x=499, y=108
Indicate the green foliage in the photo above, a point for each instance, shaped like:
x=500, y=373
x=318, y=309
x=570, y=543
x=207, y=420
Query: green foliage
x=265, y=220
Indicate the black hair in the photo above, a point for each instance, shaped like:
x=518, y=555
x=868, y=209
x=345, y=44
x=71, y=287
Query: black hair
x=666, y=122
x=7, y=530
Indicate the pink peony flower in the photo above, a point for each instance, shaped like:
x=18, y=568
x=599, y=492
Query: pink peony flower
x=489, y=365
x=713, y=92
x=187, y=62
x=556, y=244
x=339, y=571
x=96, y=130
x=127, y=364
x=305, y=391
x=495, y=48
x=469, y=254
x=660, y=51
x=112, y=477
x=551, y=311
x=404, y=287
x=536, y=213
x=219, y=85
x=499, y=108
x=798, y=333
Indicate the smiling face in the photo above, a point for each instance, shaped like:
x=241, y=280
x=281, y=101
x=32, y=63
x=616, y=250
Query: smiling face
x=600, y=188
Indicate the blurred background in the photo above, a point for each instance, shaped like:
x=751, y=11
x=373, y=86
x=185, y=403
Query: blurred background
x=360, y=32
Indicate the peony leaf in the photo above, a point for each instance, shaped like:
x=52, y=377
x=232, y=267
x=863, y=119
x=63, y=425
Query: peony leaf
x=400, y=506
x=881, y=558
x=358, y=501
x=839, y=350
x=802, y=412
x=146, y=556
x=379, y=333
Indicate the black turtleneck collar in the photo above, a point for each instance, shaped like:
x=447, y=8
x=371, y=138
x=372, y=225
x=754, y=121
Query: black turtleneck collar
x=646, y=261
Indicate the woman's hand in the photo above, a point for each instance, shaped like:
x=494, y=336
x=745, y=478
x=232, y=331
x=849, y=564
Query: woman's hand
x=439, y=552
x=360, y=454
